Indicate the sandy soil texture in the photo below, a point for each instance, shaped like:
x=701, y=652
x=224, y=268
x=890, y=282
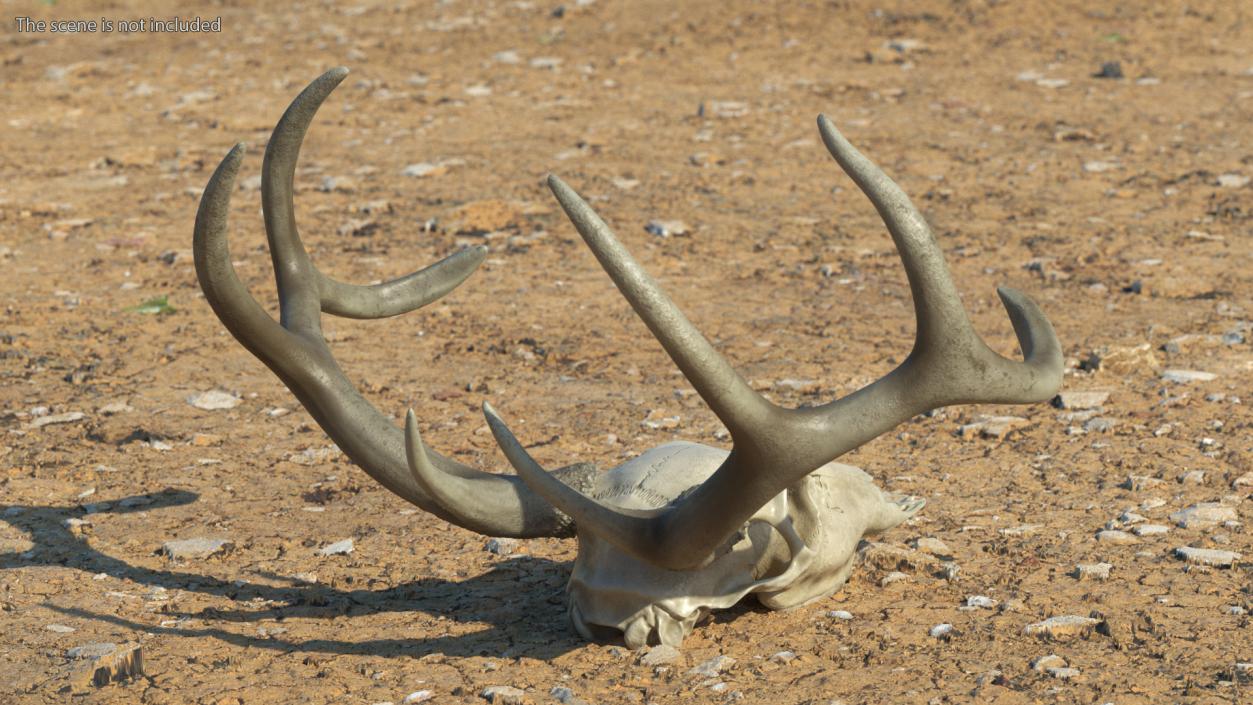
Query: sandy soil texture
x=1094, y=155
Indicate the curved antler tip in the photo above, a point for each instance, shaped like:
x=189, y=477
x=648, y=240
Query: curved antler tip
x=1040, y=346
x=1012, y=297
x=555, y=183
x=411, y=418
x=334, y=75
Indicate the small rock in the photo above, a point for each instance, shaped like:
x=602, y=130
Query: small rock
x=423, y=170
x=941, y=631
x=1099, y=424
x=1115, y=536
x=995, y=427
x=726, y=109
x=1193, y=477
x=105, y=665
x=204, y=440
x=1093, y=571
x=1245, y=480
x=932, y=545
x=804, y=386
x=1235, y=610
x=337, y=183
x=417, y=696
x=213, y=399
x=842, y=615
x=185, y=549
x=660, y=655
x=51, y=419
x=1109, y=69
x=1065, y=673
x=1097, y=166
x=667, y=228
x=1243, y=671
x=713, y=667
x=1208, y=556
x=565, y=696
x=1123, y=360
x=1021, y=530
x=358, y=227
x=894, y=577
x=1080, y=400
x=315, y=456
x=337, y=549
x=503, y=695
x=60, y=628
x=115, y=407
x=1044, y=663
x=1061, y=627
x=980, y=601
x=1233, y=180
x=546, y=62
x=657, y=421
x=1140, y=482
x=1185, y=376
x=1129, y=517
x=1204, y=515
x=1150, y=530
x=501, y=546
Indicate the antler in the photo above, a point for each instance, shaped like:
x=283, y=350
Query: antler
x=496, y=505
x=775, y=447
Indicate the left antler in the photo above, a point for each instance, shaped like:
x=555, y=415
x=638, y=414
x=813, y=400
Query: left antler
x=775, y=447
x=496, y=505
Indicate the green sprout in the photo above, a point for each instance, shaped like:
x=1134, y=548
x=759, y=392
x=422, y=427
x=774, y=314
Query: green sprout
x=159, y=305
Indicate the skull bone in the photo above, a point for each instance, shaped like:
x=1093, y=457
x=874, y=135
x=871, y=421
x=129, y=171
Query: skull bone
x=796, y=549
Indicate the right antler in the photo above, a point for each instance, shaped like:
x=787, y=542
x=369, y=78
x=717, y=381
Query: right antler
x=496, y=505
x=775, y=447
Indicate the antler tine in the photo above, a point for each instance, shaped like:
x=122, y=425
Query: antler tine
x=722, y=388
x=295, y=350
x=775, y=447
x=228, y=296
x=304, y=291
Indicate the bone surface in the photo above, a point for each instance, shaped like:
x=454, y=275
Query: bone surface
x=680, y=530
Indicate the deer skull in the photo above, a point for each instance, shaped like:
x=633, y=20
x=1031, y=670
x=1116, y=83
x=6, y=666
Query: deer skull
x=682, y=529
x=797, y=548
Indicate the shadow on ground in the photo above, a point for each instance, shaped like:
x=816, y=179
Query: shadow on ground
x=529, y=621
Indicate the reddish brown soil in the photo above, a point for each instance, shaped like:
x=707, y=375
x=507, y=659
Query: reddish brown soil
x=108, y=138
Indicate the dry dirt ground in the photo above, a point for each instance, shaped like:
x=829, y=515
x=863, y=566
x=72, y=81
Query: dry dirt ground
x=1121, y=203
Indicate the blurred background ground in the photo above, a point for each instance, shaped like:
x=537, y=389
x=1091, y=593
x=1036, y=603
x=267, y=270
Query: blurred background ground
x=1095, y=155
